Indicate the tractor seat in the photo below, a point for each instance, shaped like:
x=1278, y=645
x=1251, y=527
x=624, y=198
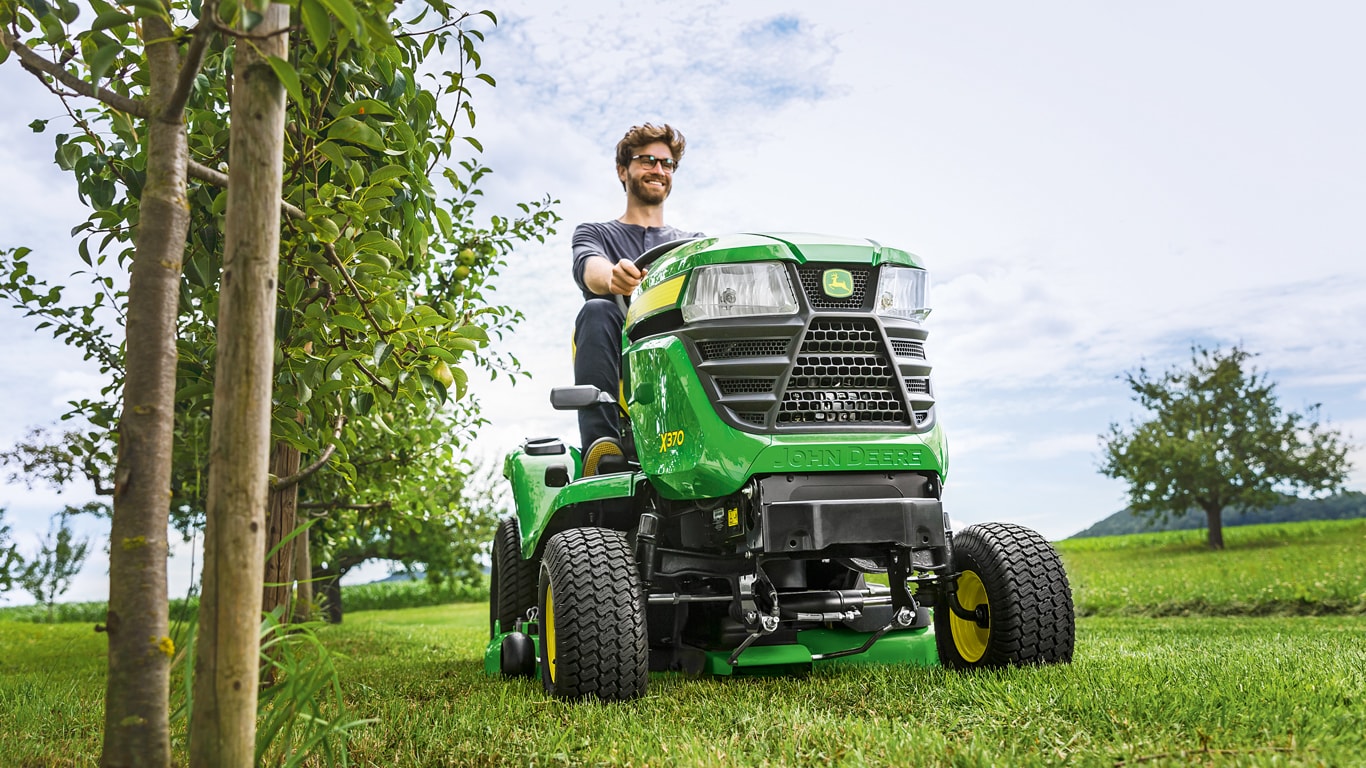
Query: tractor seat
x=604, y=457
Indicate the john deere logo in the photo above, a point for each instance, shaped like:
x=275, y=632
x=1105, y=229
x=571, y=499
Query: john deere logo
x=838, y=283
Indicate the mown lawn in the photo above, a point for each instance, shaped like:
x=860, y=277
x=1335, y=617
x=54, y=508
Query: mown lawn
x=1142, y=691
x=1311, y=568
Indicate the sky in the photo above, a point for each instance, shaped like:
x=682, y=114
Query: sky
x=1094, y=187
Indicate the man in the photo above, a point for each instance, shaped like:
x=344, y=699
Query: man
x=604, y=254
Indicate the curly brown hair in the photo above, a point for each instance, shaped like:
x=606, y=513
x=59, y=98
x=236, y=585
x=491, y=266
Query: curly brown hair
x=643, y=135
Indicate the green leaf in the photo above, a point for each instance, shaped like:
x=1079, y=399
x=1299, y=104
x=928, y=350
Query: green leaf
x=388, y=172
x=472, y=331
x=38, y=126
x=150, y=8
x=111, y=19
x=382, y=352
x=461, y=381
x=487, y=78
x=337, y=361
x=433, y=320
x=350, y=322
x=101, y=60
x=327, y=229
x=443, y=220
x=474, y=142
x=197, y=389
x=39, y=7
x=317, y=22
x=351, y=130
x=345, y=13
x=333, y=152
x=440, y=353
x=366, y=107
x=288, y=78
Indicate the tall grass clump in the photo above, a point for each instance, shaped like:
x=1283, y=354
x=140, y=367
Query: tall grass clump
x=389, y=595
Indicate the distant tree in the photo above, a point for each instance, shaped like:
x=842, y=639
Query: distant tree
x=47, y=576
x=1218, y=439
x=413, y=501
x=10, y=561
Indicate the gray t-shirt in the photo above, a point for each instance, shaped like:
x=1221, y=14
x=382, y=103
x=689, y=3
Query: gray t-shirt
x=615, y=241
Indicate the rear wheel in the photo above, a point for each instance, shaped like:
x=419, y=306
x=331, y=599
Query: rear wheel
x=592, y=622
x=512, y=580
x=1013, y=580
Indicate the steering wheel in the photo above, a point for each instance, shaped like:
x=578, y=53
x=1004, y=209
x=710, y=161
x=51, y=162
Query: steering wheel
x=651, y=256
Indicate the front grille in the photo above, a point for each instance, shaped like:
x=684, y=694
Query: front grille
x=842, y=374
x=732, y=349
x=831, y=368
x=748, y=386
x=812, y=277
x=907, y=348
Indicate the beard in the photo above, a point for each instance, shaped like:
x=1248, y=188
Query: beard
x=648, y=194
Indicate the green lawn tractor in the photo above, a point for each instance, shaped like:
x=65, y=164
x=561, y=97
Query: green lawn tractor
x=774, y=501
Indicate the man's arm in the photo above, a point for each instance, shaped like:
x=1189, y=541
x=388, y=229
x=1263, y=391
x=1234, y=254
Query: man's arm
x=603, y=277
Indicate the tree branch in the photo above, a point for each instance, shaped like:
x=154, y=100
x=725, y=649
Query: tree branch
x=294, y=479
x=355, y=289
x=194, y=59
x=375, y=379
x=40, y=66
x=434, y=30
x=326, y=505
x=220, y=179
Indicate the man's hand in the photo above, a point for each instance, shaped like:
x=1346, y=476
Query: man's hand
x=625, y=277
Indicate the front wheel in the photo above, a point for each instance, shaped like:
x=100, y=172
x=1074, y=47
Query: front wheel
x=592, y=623
x=1012, y=579
x=512, y=580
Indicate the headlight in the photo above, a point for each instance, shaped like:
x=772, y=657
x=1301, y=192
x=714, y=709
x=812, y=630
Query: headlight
x=735, y=290
x=902, y=291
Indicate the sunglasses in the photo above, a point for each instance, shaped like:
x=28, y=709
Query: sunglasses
x=650, y=161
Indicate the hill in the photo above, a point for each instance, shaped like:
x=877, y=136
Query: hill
x=1344, y=506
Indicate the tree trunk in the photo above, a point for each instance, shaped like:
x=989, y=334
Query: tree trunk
x=303, y=577
x=281, y=507
x=329, y=589
x=1214, y=517
x=223, y=720
x=136, y=713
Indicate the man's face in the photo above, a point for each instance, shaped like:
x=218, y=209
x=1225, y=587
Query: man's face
x=650, y=185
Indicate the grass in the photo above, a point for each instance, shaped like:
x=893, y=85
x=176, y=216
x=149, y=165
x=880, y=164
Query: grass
x=1308, y=568
x=1165, y=675
x=1266, y=691
x=1153, y=692
x=362, y=597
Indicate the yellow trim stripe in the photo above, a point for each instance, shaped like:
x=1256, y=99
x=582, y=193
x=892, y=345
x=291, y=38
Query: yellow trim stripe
x=660, y=297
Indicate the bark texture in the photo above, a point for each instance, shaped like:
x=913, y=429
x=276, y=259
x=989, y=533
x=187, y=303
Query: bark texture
x=303, y=576
x=223, y=721
x=136, y=717
x=1214, y=518
x=282, y=518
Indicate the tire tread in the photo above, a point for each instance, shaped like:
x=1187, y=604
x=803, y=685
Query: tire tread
x=599, y=619
x=1032, y=615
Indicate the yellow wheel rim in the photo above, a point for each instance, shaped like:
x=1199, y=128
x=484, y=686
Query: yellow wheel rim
x=549, y=620
x=968, y=638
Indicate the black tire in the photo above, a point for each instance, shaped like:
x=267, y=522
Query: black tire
x=512, y=580
x=1021, y=578
x=592, y=620
x=517, y=655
